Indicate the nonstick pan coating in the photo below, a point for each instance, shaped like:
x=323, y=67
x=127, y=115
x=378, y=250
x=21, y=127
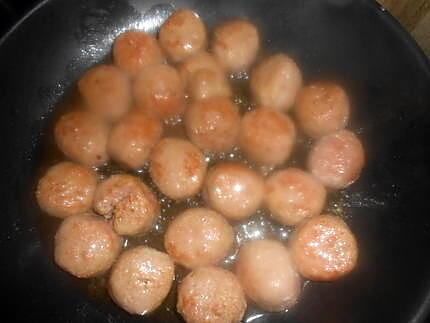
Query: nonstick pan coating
x=352, y=41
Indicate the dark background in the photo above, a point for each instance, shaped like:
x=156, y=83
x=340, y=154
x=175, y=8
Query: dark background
x=11, y=11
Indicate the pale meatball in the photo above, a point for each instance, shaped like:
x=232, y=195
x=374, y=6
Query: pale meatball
x=106, y=90
x=129, y=202
x=292, y=195
x=158, y=90
x=198, y=237
x=234, y=190
x=267, y=136
x=141, y=279
x=82, y=137
x=199, y=61
x=207, y=84
x=177, y=167
x=86, y=245
x=133, y=50
x=211, y=295
x=235, y=44
x=266, y=272
x=66, y=189
x=133, y=138
x=324, y=248
x=213, y=124
x=275, y=82
x=322, y=108
x=182, y=35
x=337, y=159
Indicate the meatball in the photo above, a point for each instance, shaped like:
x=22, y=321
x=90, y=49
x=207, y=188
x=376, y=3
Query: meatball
x=141, y=279
x=132, y=139
x=266, y=272
x=292, y=195
x=106, y=91
x=337, y=159
x=235, y=44
x=199, y=61
x=276, y=82
x=207, y=84
x=322, y=108
x=211, y=294
x=131, y=204
x=182, y=35
x=158, y=89
x=82, y=137
x=213, y=124
x=133, y=50
x=177, y=167
x=324, y=249
x=234, y=190
x=198, y=237
x=267, y=136
x=66, y=189
x=86, y=245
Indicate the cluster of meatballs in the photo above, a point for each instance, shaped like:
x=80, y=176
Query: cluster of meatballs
x=121, y=117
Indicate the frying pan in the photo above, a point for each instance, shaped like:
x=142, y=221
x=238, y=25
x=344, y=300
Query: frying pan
x=355, y=42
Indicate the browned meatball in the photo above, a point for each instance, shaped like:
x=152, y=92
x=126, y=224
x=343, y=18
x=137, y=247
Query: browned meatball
x=207, y=84
x=234, y=190
x=106, y=91
x=211, y=295
x=275, y=82
x=235, y=44
x=86, y=245
x=322, y=108
x=141, y=279
x=293, y=195
x=132, y=139
x=213, y=124
x=133, y=50
x=131, y=204
x=66, y=189
x=182, y=35
x=266, y=272
x=198, y=237
x=267, y=136
x=324, y=248
x=177, y=167
x=337, y=159
x=199, y=61
x=158, y=89
x=82, y=137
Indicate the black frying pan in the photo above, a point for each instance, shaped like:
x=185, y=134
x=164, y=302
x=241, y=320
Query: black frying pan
x=353, y=41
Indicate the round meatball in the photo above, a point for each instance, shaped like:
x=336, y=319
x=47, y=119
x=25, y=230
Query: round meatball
x=234, y=190
x=132, y=139
x=82, y=137
x=158, y=89
x=207, y=84
x=292, y=195
x=129, y=202
x=199, y=61
x=211, y=294
x=324, y=248
x=141, y=279
x=267, y=136
x=213, y=124
x=86, y=245
x=106, y=91
x=322, y=108
x=182, y=35
x=66, y=189
x=133, y=50
x=337, y=159
x=198, y=237
x=235, y=44
x=177, y=167
x=266, y=272
x=275, y=82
